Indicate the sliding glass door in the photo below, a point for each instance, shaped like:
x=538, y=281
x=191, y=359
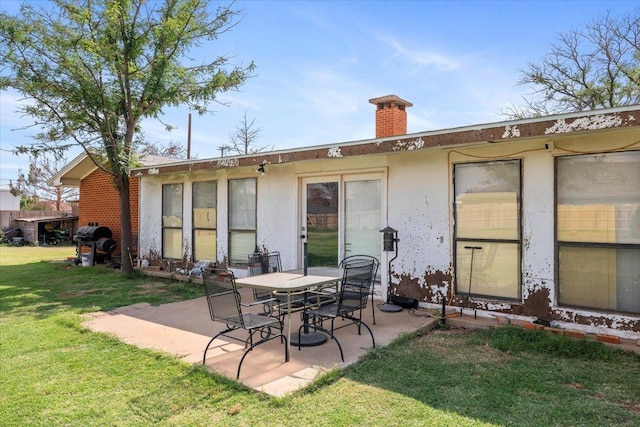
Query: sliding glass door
x=341, y=216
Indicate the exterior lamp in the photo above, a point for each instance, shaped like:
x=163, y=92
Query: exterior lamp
x=389, y=244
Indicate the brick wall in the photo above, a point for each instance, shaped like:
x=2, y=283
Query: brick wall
x=391, y=120
x=100, y=202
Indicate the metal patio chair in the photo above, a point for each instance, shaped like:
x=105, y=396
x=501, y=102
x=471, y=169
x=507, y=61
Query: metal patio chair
x=360, y=259
x=260, y=263
x=352, y=299
x=225, y=307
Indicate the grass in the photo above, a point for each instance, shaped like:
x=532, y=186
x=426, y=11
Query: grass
x=323, y=247
x=55, y=372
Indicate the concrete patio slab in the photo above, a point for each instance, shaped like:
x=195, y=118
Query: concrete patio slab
x=183, y=329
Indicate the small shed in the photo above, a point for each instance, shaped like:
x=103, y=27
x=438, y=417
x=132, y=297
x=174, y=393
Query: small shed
x=46, y=230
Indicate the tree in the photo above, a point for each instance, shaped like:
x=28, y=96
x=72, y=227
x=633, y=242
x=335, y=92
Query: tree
x=91, y=70
x=598, y=67
x=173, y=149
x=34, y=185
x=243, y=140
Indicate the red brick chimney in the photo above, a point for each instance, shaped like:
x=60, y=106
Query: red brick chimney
x=391, y=116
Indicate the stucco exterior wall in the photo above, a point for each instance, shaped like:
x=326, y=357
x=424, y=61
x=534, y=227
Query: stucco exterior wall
x=8, y=202
x=418, y=202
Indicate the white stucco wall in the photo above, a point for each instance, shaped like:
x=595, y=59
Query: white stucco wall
x=8, y=202
x=418, y=202
x=538, y=223
x=278, y=213
x=419, y=208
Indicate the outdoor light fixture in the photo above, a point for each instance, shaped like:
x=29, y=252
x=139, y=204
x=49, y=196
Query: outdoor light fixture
x=389, y=244
x=550, y=146
x=261, y=169
x=389, y=238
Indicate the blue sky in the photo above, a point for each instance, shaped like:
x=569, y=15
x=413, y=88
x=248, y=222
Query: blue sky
x=319, y=62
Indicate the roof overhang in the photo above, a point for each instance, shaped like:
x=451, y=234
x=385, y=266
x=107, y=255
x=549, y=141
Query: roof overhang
x=73, y=172
x=549, y=127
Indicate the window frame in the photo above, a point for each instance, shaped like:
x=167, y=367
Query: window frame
x=559, y=244
x=166, y=227
x=462, y=288
x=195, y=228
x=236, y=231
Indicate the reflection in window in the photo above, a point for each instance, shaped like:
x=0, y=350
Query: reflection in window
x=242, y=220
x=204, y=220
x=172, y=221
x=362, y=206
x=598, y=231
x=322, y=224
x=487, y=216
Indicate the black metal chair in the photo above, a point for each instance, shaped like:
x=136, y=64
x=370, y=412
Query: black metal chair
x=353, y=296
x=225, y=307
x=357, y=260
x=262, y=264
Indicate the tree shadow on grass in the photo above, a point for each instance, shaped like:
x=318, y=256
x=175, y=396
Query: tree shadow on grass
x=41, y=288
x=461, y=372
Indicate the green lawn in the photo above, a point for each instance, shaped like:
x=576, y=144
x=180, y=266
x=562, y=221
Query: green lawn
x=54, y=372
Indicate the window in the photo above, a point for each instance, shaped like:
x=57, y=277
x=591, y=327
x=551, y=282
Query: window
x=487, y=229
x=242, y=220
x=598, y=231
x=172, y=221
x=362, y=217
x=342, y=216
x=204, y=220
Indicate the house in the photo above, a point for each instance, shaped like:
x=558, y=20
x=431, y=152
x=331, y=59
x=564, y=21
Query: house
x=99, y=202
x=536, y=218
x=8, y=203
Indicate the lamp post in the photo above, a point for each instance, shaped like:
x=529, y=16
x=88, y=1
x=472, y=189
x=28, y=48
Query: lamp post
x=389, y=244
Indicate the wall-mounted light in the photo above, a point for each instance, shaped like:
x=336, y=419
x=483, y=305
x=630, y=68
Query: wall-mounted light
x=549, y=146
x=260, y=169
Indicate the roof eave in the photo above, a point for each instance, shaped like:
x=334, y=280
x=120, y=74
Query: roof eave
x=490, y=133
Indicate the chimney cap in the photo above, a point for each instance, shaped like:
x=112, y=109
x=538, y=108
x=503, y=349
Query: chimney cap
x=389, y=98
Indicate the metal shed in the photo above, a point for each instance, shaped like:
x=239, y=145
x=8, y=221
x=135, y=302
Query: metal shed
x=34, y=229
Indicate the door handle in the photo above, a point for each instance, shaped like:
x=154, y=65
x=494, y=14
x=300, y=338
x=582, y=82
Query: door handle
x=303, y=236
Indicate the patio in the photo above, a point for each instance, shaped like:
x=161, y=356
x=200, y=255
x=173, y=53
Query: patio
x=184, y=328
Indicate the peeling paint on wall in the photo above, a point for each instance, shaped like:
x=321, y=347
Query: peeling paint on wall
x=597, y=122
x=537, y=304
x=511, y=132
x=408, y=145
x=227, y=163
x=431, y=287
x=154, y=171
x=334, y=152
x=599, y=320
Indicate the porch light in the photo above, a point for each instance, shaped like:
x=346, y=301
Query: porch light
x=389, y=244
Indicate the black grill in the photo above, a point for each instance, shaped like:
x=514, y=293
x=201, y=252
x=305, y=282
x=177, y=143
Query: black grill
x=99, y=239
x=92, y=232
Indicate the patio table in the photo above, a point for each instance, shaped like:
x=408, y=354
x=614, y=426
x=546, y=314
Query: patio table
x=288, y=283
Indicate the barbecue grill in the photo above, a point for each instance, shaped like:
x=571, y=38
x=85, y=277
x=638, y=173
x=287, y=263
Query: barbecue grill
x=95, y=237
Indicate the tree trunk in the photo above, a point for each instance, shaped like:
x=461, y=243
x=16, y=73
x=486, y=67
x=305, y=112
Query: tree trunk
x=125, y=224
x=58, y=199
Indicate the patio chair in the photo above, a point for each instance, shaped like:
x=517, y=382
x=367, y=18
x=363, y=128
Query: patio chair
x=225, y=307
x=353, y=296
x=357, y=260
x=270, y=263
x=262, y=264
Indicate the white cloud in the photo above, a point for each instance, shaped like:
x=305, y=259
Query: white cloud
x=420, y=58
